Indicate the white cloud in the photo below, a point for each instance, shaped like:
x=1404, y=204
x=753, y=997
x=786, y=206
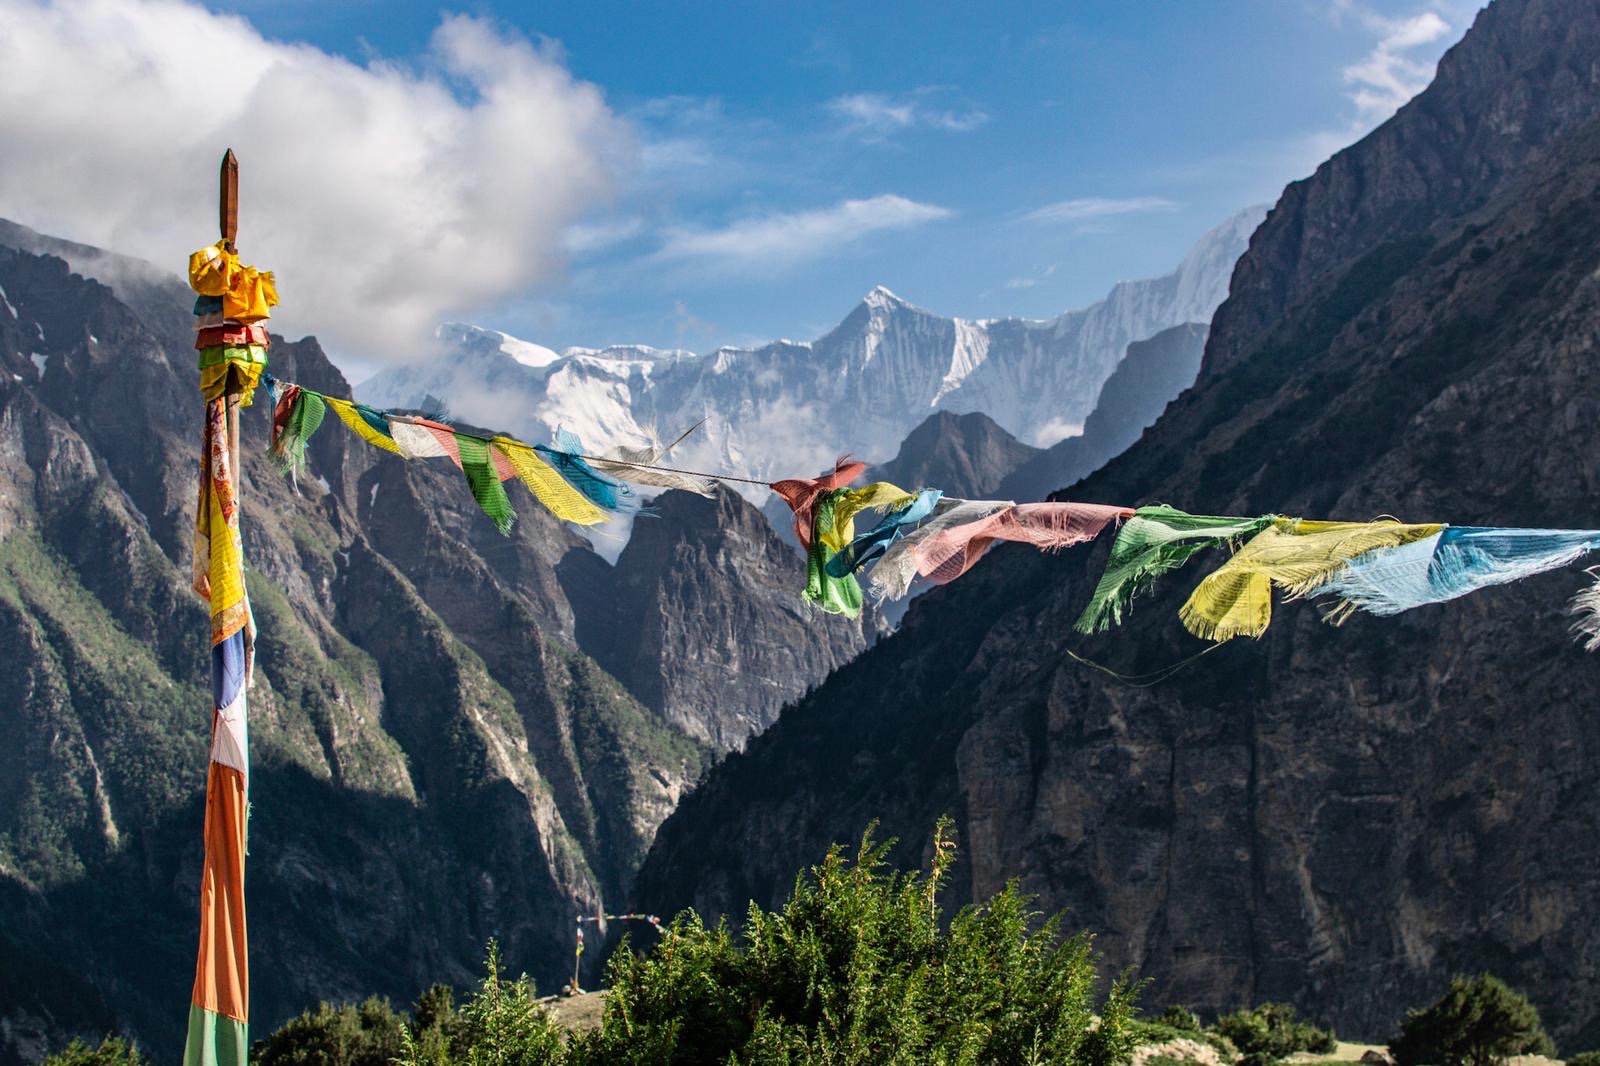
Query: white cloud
x=1383, y=80
x=875, y=115
x=872, y=111
x=1095, y=207
x=686, y=324
x=775, y=240
x=386, y=197
x=1386, y=78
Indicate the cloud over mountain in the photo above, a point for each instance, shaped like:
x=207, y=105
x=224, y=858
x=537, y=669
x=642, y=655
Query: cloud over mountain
x=385, y=195
x=773, y=240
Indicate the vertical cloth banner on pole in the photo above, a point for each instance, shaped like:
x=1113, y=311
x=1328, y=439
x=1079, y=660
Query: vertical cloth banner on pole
x=219, y=1011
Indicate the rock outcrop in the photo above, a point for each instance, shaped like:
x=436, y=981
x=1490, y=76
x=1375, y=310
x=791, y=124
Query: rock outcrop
x=964, y=455
x=702, y=619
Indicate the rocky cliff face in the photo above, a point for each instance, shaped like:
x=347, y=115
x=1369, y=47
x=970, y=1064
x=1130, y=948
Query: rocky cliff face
x=702, y=617
x=1524, y=76
x=435, y=760
x=1149, y=377
x=1337, y=817
x=964, y=455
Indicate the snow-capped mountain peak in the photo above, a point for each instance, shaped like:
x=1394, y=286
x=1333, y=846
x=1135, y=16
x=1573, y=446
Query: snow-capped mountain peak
x=460, y=337
x=787, y=408
x=882, y=297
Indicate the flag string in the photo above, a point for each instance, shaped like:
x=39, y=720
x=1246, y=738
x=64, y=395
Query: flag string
x=1381, y=566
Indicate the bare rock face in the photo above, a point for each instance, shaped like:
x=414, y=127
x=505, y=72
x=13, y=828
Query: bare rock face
x=702, y=617
x=435, y=760
x=1525, y=75
x=1340, y=818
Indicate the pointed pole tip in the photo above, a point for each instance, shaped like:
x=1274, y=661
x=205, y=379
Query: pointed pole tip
x=228, y=200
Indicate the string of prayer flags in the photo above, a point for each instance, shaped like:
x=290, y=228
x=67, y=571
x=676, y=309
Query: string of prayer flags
x=1293, y=553
x=566, y=486
x=1381, y=567
x=1156, y=540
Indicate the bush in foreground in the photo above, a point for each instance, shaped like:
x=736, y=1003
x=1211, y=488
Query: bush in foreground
x=499, y=1024
x=1180, y=1018
x=1480, y=1021
x=1271, y=1033
x=856, y=968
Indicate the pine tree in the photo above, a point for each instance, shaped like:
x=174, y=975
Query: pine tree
x=1478, y=1022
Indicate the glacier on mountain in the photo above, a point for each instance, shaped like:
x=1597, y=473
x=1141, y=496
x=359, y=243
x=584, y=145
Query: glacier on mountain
x=787, y=408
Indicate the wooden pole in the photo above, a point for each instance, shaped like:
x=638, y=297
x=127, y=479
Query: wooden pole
x=228, y=223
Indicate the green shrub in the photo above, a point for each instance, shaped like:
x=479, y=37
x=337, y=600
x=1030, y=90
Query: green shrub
x=111, y=1052
x=1584, y=1058
x=501, y=1025
x=347, y=1035
x=1271, y=1033
x=856, y=968
x=1180, y=1018
x=1478, y=1022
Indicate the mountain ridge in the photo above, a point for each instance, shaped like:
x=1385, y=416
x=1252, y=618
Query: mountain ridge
x=879, y=373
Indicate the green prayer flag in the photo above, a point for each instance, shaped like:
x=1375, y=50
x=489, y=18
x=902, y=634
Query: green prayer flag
x=1154, y=541
x=836, y=595
x=484, y=481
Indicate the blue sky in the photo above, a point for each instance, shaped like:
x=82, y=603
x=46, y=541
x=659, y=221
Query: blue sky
x=765, y=164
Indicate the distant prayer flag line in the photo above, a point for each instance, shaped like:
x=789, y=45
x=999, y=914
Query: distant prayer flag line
x=1382, y=567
